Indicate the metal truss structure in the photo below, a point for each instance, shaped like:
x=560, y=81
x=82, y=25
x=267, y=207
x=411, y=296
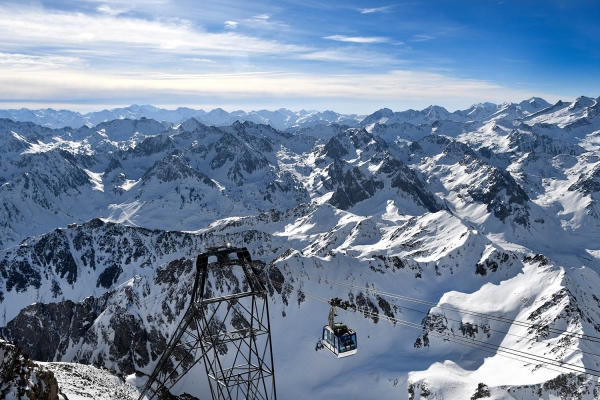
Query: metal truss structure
x=229, y=334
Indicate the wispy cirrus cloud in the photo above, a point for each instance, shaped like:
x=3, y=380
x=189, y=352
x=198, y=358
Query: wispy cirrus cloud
x=127, y=3
x=358, y=39
x=200, y=60
x=32, y=61
x=352, y=56
x=111, y=10
x=422, y=38
x=39, y=28
x=265, y=22
x=262, y=17
x=382, y=88
x=110, y=50
x=375, y=10
x=231, y=25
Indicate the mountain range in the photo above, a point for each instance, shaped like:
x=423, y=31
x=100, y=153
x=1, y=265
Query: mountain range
x=473, y=232
x=281, y=119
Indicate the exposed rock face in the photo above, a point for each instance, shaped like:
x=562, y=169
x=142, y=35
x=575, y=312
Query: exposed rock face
x=21, y=378
x=354, y=188
x=46, y=331
x=334, y=148
x=405, y=179
x=541, y=144
x=355, y=184
x=175, y=168
x=501, y=194
x=588, y=183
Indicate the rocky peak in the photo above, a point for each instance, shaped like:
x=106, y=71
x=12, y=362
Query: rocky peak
x=175, y=167
x=334, y=148
x=539, y=143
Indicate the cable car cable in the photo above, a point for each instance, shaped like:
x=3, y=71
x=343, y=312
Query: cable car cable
x=566, y=333
x=590, y=338
x=480, y=347
x=504, y=349
x=510, y=334
x=489, y=347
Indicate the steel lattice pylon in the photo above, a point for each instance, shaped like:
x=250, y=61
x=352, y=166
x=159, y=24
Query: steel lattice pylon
x=229, y=334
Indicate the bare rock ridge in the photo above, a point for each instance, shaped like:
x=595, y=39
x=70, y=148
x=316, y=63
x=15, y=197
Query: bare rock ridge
x=20, y=377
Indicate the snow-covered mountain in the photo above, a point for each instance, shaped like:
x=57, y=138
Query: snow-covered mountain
x=280, y=119
x=475, y=233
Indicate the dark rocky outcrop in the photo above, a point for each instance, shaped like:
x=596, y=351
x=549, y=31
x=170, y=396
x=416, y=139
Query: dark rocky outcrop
x=21, y=378
x=354, y=188
x=46, y=331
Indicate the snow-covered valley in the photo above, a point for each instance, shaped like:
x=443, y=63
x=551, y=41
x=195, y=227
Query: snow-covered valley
x=475, y=233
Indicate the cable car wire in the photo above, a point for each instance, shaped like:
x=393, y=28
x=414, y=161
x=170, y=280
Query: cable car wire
x=500, y=348
x=566, y=333
x=469, y=342
x=424, y=302
x=577, y=335
x=511, y=334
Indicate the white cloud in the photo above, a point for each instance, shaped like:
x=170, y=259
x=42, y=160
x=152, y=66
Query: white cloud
x=74, y=85
x=128, y=3
x=32, y=61
x=374, y=10
x=77, y=40
x=36, y=27
x=358, y=39
x=422, y=38
x=264, y=22
x=113, y=11
x=200, y=60
x=351, y=56
x=231, y=25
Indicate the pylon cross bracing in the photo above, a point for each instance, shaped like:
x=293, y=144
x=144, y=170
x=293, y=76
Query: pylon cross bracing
x=230, y=334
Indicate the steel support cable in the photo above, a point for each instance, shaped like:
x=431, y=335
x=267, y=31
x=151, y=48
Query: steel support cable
x=488, y=350
x=512, y=334
x=474, y=343
x=491, y=346
x=451, y=319
x=424, y=302
x=590, y=338
x=491, y=329
x=523, y=324
x=468, y=343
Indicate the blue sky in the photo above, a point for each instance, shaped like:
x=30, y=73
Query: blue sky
x=347, y=56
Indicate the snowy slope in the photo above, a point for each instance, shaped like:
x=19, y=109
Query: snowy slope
x=82, y=382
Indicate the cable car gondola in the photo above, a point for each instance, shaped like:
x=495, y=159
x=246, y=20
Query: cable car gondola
x=338, y=337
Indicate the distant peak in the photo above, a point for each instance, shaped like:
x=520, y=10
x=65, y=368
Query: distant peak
x=534, y=104
x=384, y=111
x=582, y=101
